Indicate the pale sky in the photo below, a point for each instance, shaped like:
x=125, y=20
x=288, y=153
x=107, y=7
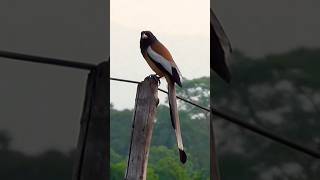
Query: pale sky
x=181, y=25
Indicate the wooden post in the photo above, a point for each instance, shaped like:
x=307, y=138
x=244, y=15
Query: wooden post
x=142, y=128
x=92, y=154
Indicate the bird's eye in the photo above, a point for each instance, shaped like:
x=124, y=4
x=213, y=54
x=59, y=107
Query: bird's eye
x=144, y=36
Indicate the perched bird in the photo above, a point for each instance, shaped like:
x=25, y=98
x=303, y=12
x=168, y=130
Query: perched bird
x=161, y=62
x=220, y=49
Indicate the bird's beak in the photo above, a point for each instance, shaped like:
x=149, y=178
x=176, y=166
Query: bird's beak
x=144, y=36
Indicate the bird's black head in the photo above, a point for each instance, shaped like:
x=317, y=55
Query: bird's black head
x=146, y=39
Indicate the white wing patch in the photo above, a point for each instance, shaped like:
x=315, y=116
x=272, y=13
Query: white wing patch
x=160, y=60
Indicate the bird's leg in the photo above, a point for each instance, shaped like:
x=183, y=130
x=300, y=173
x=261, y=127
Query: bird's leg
x=155, y=77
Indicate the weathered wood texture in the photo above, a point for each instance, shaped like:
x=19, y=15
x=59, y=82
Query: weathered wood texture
x=214, y=170
x=142, y=128
x=92, y=156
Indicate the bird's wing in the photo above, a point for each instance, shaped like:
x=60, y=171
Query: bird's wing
x=161, y=49
x=164, y=64
x=220, y=48
x=175, y=118
x=159, y=60
x=179, y=72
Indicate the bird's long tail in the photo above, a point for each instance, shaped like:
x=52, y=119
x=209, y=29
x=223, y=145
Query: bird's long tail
x=175, y=118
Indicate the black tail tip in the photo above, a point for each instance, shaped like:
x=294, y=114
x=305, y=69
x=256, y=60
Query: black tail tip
x=183, y=156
